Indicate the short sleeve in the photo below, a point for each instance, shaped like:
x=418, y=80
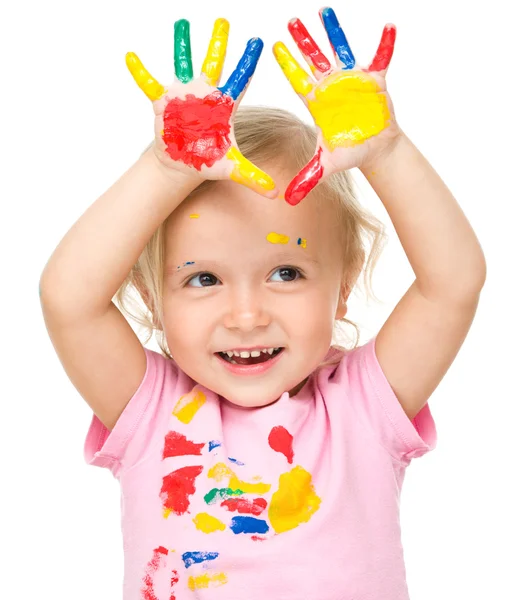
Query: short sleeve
x=378, y=406
x=133, y=434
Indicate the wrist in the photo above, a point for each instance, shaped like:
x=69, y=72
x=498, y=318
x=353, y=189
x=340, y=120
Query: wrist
x=186, y=178
x=381, y=159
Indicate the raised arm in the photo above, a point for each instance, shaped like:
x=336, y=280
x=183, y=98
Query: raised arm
x=98, y=349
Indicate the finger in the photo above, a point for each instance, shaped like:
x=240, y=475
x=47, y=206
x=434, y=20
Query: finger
x=305, y=180
x=246, y=173
x=145, y=81
x=385, y=49
x=297, y=77
x=308, y=47
x=337, y=38
x=216, y=52
x=239, y=78
x=183, y=63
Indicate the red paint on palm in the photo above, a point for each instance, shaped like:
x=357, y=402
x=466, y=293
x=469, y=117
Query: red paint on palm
x=178, y=486
x=305, y=180
x=243, y=506
x=196, y=130
x=176, y=444
x=282, y=441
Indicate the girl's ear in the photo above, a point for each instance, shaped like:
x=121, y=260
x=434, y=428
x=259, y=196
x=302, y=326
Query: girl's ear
x=345, y=290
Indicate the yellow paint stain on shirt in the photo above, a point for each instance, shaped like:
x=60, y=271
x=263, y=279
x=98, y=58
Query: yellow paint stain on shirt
x=194, y=216
x=294, y=502
x=349, y=108
x=166, y=513
x=277, y=238
x=208, y=523
x=188, y=405
x=198, y=582
x=221, y=471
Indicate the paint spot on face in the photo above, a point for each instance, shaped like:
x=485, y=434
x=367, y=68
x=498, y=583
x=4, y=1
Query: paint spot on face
x=199, y=582
x=208, y=523
x=176, y=489
x=248, y=525
x=281, y=441
x=176, y=444
x=188, y=405
x=349, y=108
x=194, y=216
x=243, y=506
x=302, y=242
x=277, y=238
x=192, y=558
x=186, y=264
x=196, y=130
x=294, y=502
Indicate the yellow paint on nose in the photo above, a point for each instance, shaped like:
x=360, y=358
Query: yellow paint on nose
x=349, y=108
x=208, y=523
x=277, y=238
x=188, y=405
x=294, y=502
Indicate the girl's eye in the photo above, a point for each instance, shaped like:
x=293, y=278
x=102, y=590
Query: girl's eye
x=202, y=280
x=286, y=274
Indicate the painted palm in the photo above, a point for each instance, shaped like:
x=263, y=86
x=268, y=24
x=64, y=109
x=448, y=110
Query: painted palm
x=350, y=105
x=194, y=117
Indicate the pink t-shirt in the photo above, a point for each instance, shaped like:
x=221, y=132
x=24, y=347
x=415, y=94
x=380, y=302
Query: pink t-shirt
x=296, y=500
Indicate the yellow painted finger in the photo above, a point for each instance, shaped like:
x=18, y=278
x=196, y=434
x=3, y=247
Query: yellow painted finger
x=297, y=77
x=145, y=81
x=216, y=52
x=248, y=174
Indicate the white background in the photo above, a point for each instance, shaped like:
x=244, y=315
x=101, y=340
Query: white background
x=73, y=120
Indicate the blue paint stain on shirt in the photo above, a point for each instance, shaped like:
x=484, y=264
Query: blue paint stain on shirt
x=234, y=460
x=248, y=525
x=214, y=444
x=191, y=558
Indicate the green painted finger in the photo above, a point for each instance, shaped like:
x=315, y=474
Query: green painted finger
x=183, y=63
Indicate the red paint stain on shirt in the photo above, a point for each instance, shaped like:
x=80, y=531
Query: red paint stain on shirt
x=282, y=441
x=196, y=130
x=243, y=506
x=147, y=592
x=178, y=486
x=176, y=444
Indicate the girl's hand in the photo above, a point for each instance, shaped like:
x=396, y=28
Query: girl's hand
x=194, y=118
x=350, y=105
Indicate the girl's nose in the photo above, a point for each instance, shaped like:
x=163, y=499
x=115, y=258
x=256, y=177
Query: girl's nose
x=246, y=311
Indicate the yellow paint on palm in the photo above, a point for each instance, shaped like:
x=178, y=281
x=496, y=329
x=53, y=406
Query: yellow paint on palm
x=208, y=523
x=349, y=108
x=277, y=238
x=294, y=502
x=198, y=582
x=297, y=77
x=145, y=81
x=216, y=52
x=188, y=405
x=221, y=471
x=247, y=173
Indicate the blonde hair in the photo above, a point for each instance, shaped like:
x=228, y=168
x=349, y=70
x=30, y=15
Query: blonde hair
x=264, y=134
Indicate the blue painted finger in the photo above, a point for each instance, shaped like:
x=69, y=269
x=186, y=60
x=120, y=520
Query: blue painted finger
x=337, y=37
x=240, y=77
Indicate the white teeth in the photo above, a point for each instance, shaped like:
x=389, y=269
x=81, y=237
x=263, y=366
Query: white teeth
x=229, y=353
x=255, y=353
x=236, y=353
x=270, y=351
x=244, y=354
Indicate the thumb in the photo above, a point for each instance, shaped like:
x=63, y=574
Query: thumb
x=305, y=180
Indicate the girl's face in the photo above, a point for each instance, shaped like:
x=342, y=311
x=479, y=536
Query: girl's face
x=228, y=288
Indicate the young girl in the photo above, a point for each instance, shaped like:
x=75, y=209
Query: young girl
x=255, y=459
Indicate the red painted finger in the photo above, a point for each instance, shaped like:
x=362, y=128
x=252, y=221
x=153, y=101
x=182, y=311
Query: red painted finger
x=385, y=49
x=305, y=180
x=307, y=45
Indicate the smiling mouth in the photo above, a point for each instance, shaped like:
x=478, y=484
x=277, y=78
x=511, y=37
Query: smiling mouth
x=255, y=357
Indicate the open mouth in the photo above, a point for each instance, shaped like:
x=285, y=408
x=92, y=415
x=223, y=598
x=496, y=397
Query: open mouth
x=253, y=357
